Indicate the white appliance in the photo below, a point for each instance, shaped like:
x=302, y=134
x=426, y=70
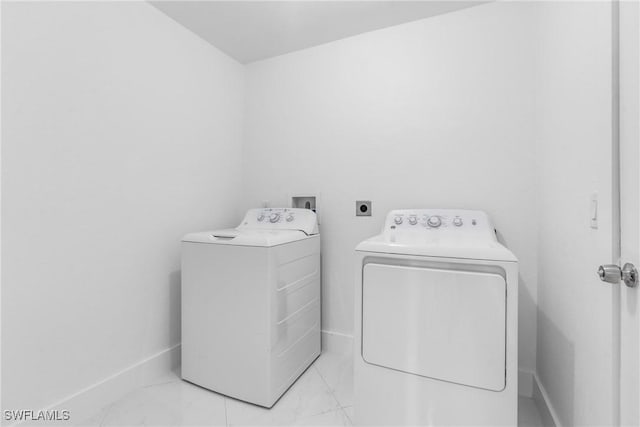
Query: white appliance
x=436, y=322
x=251, y=304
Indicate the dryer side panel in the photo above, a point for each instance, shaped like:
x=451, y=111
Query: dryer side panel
x=447, y=325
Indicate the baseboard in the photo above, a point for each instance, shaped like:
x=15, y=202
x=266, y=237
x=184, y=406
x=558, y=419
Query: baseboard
x=547, y=413
x=88, y=401
x=525, y=383
x=337, y=342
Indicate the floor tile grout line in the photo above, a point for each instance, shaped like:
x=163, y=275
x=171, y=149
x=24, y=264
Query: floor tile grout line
x=340, y=405
x=346, y=415
x=328, y=386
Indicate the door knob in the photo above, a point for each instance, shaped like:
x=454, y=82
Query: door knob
x=612, y=273
x=630, y=275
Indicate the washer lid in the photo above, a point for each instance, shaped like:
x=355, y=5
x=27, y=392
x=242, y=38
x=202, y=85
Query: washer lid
x=263, y=227
x=237, y=237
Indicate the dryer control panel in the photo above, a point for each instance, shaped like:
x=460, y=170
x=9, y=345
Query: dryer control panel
x=459, y=222
x=281, y=219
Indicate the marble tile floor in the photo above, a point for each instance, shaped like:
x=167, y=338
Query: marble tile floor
x=322, y=396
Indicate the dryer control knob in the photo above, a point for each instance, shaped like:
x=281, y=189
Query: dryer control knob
x=413, y=220
x=289, y=218
x=274, y=217
x=434, y=221
x=398, y=220
x=457, y=222
x=260, y=217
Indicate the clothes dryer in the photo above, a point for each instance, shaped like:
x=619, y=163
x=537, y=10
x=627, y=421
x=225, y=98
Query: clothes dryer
x=436, y=322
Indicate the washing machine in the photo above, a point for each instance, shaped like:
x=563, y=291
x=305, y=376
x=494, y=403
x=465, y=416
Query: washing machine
x=436, y=321
x=251, y=304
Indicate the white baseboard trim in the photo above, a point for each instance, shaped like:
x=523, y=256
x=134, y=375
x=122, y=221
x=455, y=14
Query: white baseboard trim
x=525, y=383
x=89, y=400
x=337, y=342
x=543, y=402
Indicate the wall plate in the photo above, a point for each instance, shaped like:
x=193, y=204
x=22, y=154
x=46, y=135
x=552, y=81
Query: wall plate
x=304, y=202
x=363, y=207
x=299, y=198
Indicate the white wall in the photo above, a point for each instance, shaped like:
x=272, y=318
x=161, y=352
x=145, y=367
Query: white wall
x=121, y=132
x=575, y=363
x=434, y=113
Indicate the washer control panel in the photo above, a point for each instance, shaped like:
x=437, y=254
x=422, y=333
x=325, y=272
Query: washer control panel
x=275, y=215
x=438, y=220
x=281, y=219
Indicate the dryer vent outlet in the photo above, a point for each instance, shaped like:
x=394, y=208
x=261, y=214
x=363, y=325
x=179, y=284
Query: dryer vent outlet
x=363, y=207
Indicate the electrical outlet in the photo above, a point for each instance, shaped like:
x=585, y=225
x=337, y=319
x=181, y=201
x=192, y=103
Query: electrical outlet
x=363, y=207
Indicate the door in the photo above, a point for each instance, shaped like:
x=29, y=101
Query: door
x=629, y=27
x=627, y=250
x=586, y=363
x=444, y=324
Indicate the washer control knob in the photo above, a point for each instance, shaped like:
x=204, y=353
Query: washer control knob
x=260, y=217
x=457, y=221
x=413, y=220
x=398, y=220
x=274, y=217
x=289, y=218
x=434, y=221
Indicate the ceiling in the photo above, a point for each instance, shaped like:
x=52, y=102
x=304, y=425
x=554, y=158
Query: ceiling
x=252, y=30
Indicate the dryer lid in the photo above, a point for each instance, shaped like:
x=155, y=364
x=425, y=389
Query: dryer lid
x=448, y=233
x=444, y=324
